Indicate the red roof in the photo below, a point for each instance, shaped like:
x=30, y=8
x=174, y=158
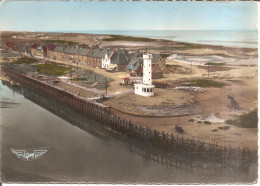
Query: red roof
x=9, y=44
x=51, y=47
x=44, y=48
x=34, y=46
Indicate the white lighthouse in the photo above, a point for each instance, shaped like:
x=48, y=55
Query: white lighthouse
x=146, y=88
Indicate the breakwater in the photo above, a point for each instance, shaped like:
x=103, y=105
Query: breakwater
x=190, y=150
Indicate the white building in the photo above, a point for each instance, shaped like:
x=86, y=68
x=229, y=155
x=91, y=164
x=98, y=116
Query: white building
x=106, y=61
x=146, y=88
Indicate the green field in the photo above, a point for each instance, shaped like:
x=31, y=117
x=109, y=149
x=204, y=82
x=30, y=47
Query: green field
x=165, y=55
x=79, y=79
x=203, y=83
x=248, y=120
x=52, y=69
x=64, y=42
x=25, y=60
x=185, y=46
x=215, y=64
x=126, y=38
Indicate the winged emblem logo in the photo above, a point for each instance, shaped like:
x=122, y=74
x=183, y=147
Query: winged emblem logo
x=28, y=156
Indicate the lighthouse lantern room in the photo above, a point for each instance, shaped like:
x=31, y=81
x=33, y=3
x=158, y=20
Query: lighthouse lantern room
x=146, y=88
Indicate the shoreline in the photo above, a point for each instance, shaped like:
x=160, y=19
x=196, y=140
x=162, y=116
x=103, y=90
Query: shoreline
x=203, y=42
x=148, y=37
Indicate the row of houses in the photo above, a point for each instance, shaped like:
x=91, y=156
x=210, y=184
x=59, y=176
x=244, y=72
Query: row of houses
x=110, y=59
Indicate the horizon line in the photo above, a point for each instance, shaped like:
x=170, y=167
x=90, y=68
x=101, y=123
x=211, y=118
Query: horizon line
x=75, y=31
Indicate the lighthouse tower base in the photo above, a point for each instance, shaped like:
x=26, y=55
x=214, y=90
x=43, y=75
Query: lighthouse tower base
x=144, y=90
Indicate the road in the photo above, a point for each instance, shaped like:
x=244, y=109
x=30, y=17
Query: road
x=97, y=40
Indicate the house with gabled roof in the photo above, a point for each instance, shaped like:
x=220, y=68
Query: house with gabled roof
x=116, y=59
x=38, y=50
x=82, y=56
x=135, y=66
x=95, y=57
x=9, y=45
x=33, y=49
x=71, y=54
x=106, y=61
x=159, y=61
x=120, y=60
x=58, y=53
x=50, y=51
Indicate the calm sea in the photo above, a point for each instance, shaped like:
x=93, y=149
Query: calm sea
x=238, y=38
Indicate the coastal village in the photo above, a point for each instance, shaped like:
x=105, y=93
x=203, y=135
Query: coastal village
x=108, y=59
x=154, y=88
x=128, y=92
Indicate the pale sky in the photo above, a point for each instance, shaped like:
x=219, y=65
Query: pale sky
x=82, y=16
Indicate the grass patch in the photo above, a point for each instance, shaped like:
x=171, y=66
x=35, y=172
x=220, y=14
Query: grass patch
x=186, y=46
x=159, y=84
x=215, y=64
x=207, y=122
x=224, y=127
x=79, y=79
x=172, y=65
x=126, y=38
x=52, y=69
x=25, y=60
x=203, y=83
x=165, y=55
x=64, y=42
x=248, y=120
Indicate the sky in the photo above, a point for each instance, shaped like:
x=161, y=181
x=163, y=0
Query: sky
x=82, y=16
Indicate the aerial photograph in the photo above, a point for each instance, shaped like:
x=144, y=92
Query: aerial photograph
x=124, y=92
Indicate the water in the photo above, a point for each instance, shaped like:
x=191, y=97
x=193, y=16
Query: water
x=235, y=38
x=76, y=155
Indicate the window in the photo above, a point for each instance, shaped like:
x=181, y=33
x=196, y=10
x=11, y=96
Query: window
x=148, y=90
